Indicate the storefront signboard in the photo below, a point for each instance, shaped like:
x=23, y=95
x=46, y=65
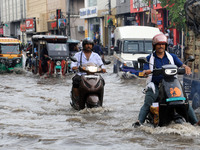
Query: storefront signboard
x=89, y=12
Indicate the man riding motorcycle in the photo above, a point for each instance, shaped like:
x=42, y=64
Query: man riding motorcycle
x=83, y=57
x=157, y=59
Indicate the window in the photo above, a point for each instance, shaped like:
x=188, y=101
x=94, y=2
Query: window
x=92, y=3
x=9, y=49
x=148, y=46
x=137, y=46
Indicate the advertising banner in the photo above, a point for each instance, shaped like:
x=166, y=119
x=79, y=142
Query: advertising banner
x=30, y=25
x=61, y=23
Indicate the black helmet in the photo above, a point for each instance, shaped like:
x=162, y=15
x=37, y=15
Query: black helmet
x=87, y=41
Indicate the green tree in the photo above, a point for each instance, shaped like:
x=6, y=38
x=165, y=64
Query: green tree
x=176, y=12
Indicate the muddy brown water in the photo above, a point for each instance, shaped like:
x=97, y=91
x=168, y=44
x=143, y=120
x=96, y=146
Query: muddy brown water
x=35, y=114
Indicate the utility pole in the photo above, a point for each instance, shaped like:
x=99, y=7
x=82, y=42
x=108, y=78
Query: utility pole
x=151, y=12
x=22, y=19
x=109, y=28
x=68, y=22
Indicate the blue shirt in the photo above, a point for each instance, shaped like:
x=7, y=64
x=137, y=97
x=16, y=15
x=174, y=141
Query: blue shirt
x=158, y=63
x=97, y=49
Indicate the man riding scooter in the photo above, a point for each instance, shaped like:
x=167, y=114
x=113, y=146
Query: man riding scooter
x=83, y=57
x=157, y=59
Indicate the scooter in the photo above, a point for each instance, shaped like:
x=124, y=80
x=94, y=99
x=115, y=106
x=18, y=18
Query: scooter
x=172, y=103
x=91, y=88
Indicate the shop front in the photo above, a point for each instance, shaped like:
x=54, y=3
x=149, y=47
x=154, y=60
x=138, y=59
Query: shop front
x=92, y=22
x=143, y=14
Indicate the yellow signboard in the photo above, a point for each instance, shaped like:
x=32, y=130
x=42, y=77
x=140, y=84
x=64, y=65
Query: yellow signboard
x=9, y=40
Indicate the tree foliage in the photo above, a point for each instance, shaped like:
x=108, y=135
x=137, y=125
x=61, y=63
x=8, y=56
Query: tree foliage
x=176, y=12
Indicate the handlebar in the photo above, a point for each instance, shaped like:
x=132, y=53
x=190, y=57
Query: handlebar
x=157, y=72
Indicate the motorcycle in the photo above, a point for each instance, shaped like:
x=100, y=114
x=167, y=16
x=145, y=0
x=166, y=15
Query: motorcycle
x=91, y=88
x=172, y=103
x=59, y=66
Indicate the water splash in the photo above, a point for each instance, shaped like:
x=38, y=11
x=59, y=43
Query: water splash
x=95, y=110
x=185, y=129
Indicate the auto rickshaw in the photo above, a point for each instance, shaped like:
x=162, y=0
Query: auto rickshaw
x=56, y=55
x=11, y=58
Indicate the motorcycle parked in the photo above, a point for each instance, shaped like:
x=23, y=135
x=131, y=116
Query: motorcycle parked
x=172, y=103
x=91, y=88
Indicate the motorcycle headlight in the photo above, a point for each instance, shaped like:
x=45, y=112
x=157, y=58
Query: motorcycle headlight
x=170, y=71
x=128, y=63
x=92, y=69
x=58, y=63
x=17, y=61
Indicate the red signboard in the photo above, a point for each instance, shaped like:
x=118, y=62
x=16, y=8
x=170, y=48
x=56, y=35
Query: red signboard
x=23, y=27
x=135, y=6
x=53, y=25
x=29, y=24
x=1, y=31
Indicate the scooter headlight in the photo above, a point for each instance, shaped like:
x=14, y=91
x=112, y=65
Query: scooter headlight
x=58, y=63
x=92, y=69
x=170, y=71
x=128, y=63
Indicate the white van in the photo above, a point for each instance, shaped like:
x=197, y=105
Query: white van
x=132, y=42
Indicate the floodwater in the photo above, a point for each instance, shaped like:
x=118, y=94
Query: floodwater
x=35, y=114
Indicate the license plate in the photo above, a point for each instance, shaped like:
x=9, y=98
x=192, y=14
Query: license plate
x=141, y=74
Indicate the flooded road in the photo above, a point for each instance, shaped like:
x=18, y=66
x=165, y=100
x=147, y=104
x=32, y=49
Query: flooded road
x=35, y=114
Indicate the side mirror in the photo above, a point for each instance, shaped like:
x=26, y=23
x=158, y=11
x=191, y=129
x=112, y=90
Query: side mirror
x=190, y=59
x=142, y=60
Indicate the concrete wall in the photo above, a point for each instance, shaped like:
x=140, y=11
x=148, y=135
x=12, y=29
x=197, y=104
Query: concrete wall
x=75, y=21
x=11, y=10
x=38, y=9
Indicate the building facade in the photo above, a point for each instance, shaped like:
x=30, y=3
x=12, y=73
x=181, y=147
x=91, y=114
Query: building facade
x=13, y=13
x=51, y=17
x=83, y=18
x=24, y=18
x=123, y=15
x=95, y=14
x=142, y=14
